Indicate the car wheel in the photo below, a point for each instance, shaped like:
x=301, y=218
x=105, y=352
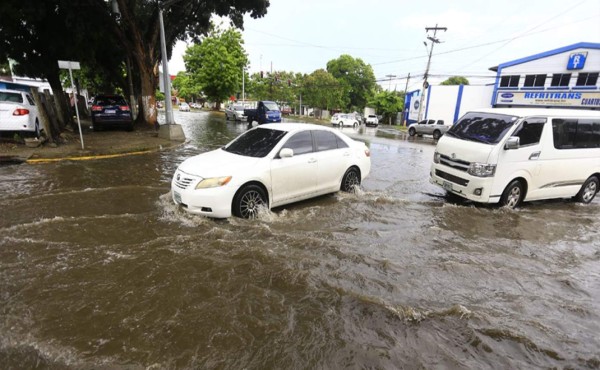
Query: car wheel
x=350, y=180
x=437, y=134
x=129, y=127
x=588, y=190
x=412, y=131
x=97, y=127
x=36, y=130
x=341, y=124
x=355, y=125
x=248, y=200
x=513, y=195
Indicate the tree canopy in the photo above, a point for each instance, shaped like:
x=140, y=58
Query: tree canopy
x=388, y=103
x=456, y=80
x=322, y=90
x=217, y=64
x=357, y=78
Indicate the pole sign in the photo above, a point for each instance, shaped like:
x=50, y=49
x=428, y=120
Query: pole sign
x=70, y=65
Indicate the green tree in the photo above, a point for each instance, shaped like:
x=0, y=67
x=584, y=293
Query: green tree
x=456, y=80
x=322, y=90
x=387, y=103
x=217, y=64
x=357, y=78
x=186, y=87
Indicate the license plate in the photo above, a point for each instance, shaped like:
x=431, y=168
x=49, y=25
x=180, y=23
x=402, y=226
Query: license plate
x=177, y=197
x=110, y=111
x=447, y=185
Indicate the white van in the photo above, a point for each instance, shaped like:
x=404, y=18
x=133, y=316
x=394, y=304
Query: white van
x=511, y=155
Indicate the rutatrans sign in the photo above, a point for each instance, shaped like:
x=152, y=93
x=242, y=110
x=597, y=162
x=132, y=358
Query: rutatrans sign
x=550, y=99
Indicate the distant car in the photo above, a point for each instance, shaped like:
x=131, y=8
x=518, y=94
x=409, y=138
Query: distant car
x=18, y=112
x=265, y=112
x=343, y=119
x=269, y=166
x=184, y=107
x=372, y=120
x=111, y=111
x=436, y=128
x=235, y=112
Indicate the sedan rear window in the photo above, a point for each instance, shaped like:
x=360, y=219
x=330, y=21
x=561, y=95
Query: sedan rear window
x=110, y=100
x=11, y=97
x=255, y=143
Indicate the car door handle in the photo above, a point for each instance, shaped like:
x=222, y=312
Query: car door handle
x=346, y=154
x=312, y=160
x=534, y=155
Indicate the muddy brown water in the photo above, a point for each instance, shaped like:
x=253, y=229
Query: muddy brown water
x=99, y=270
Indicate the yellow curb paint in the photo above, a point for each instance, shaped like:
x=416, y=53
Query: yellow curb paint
x=87, y=158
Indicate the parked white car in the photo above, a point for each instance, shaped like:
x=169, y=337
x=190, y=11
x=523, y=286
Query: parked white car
x=184, y=107
x=511, y=155
x=372, y=120
x=433, y=127
x=18, y=112
x=269, y=166
x=343, y=119
x=235, y=112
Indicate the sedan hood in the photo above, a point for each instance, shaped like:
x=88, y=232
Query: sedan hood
x=216, y=163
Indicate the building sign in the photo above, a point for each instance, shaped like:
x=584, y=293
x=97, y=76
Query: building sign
x=550, y=99
x=576, y=61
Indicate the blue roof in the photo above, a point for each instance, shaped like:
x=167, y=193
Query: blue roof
x=580, y=45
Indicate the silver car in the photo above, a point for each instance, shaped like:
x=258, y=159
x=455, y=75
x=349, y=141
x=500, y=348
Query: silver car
x=235, y=112
x=436, y=128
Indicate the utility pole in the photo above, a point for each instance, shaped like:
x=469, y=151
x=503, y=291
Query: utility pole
x=434, y=41
x=390, y=84
x=406, y=109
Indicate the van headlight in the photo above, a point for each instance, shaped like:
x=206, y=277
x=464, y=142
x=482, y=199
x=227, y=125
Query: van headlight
x=213, y=182
x=436, y=157
x=482, y=169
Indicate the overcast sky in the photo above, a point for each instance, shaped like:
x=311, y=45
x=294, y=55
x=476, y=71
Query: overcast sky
x=302, y=36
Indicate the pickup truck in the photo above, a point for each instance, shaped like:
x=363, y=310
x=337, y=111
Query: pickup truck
x=437, y=128
x=265, y=112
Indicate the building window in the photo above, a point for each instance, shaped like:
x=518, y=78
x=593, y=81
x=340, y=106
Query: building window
x=510, y=81
x=587, y=79
x=561, y=79
x=535, y=80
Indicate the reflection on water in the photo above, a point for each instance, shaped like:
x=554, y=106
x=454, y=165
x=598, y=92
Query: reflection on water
x=99, y=269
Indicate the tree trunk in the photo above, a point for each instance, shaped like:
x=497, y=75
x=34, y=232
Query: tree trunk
x=61, y=103
x=44, y=118
x=148, y=112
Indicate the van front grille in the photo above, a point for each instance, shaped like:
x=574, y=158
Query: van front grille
x=455, y=163
x=455, y=179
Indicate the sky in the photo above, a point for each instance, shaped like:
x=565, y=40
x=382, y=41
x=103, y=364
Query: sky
x=302, y=36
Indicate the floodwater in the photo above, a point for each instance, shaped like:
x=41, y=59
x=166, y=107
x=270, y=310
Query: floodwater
x=99, y=270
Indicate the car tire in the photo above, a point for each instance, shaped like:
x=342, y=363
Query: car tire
x=355, y=125
x=350, y=180
x=341, y=124
x=513, y=195
x=412, y=131
x=129, y=127
x=437, y=134
x=588, y=190
x=248, y=200
x=97, y=127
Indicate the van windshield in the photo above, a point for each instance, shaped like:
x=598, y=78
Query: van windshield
x=487, y=128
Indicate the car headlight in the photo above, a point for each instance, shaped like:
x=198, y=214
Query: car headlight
x=436, y=157
x=213, y=182
x=482, y=169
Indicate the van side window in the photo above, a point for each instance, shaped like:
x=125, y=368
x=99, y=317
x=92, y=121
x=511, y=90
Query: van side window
x=530, y=132
x=576, y=133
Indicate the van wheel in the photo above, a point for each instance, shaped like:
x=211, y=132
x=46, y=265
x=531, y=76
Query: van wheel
x=436, y=134
x=512, y=195
x=412, y=131
x=248, y=201
x=588, y=190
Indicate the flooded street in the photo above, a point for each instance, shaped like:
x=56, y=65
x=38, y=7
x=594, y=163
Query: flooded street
x=100, y=270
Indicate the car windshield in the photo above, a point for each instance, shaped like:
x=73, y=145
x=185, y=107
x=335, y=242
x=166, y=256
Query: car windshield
x=11, y=97
x=255, y=143
x=485, y=128
x=110, y=100
x=271, y=106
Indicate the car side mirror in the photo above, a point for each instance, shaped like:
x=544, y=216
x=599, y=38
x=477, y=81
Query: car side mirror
x=286, y=153
x=512, y=143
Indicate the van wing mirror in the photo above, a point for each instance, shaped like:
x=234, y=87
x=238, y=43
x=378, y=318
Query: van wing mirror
x=512, y=143
x=286, y=153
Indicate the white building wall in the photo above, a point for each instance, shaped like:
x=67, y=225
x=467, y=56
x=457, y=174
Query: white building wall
x=441, y=103
x=475, y=97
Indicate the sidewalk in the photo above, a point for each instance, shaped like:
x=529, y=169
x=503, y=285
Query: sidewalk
x=103, y=144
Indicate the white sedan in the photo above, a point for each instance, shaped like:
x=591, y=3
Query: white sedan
x=18, y=112
x=269, y=166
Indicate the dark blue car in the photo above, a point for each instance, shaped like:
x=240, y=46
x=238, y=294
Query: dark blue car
x=111, y=111
x=265, y=112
